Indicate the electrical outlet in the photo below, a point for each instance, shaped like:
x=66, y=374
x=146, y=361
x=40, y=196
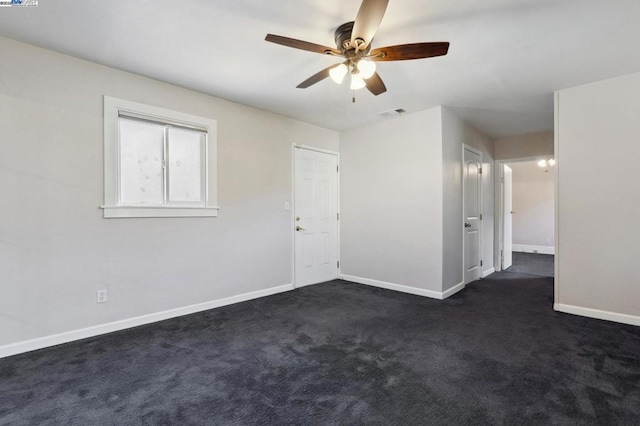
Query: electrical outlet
x=101, y=295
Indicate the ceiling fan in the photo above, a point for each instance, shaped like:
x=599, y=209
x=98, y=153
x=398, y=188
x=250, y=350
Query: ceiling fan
x=353, y=44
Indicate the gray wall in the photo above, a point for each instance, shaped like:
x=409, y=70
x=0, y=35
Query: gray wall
x=456, y=133
x=452, y=139
x=401, y=201
x=524, y=146
x=55, y=247
x=391, y=201
x=598, y=204
x=533, y=201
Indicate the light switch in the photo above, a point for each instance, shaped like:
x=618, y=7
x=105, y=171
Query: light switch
x=287, y=206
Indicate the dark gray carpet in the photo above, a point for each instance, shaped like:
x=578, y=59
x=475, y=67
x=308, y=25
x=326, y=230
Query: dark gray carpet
x=342, y=353
x=532, y=263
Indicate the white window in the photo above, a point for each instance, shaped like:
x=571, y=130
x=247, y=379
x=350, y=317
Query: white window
x=157, y=162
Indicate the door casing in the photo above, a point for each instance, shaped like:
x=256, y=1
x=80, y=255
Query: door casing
x=499, y=207
x=506, y=256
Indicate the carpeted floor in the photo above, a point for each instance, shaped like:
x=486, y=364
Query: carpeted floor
x=532, y=263
x=342, y=353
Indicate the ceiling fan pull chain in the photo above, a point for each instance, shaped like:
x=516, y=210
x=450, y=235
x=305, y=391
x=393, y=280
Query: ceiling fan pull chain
x=353, y=96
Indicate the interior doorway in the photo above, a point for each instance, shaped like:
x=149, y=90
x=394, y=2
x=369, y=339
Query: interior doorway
x=526, y=230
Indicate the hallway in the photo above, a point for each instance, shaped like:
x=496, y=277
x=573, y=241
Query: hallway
x=532, y=264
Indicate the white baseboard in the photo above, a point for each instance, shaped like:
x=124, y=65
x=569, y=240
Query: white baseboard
x=488, y=272
x=525, y=248
x=453, y=290
x=598, y=314
x=403, y=288
x=70, y=336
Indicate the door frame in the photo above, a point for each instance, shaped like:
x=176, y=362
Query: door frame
x=481, y=200
x=499, y=206
x=293, y=205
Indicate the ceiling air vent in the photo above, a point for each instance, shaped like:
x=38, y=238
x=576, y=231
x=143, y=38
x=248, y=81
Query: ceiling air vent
x=392, y=113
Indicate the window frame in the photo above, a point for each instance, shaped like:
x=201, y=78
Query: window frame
x=113, y=109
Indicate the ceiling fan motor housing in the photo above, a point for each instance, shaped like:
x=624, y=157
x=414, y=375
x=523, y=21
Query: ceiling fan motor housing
x=343, y=39
x=343, y=36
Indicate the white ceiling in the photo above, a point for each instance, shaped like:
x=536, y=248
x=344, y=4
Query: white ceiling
x=506, y=56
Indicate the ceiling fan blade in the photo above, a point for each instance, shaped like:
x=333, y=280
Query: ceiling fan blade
x=405, y=52
x=367, y=22
x=299, y=44
x=375, y=84
x=317, y=77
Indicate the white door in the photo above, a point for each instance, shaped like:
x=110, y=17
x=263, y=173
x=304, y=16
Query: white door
x=508, y=212
x=472, y=193
x=315, y=217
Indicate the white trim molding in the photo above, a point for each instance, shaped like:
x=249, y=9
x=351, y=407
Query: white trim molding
x=404, y=288
x=598, y=314
x=525, y=248
x=313, y=148
x=142, y=211
x=488, y=272
x=453, y=290
x=113, y=207
x=70, y=336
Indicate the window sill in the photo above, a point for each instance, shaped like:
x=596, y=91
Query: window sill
x=111, y=212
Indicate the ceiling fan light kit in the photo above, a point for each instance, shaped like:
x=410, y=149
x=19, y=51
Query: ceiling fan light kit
x=357, y=82
x=353, y=45
x=337, y=73
x=366, y=68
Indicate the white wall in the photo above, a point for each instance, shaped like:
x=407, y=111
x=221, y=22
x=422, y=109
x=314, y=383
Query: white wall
x=455, y=134
x=401, y=202
x=452, y=139
x=55, y=247
x=598, y=134
x=533, y=201
x=527, y=146
x=486, y=145
x=524, y=146
x=391, y=201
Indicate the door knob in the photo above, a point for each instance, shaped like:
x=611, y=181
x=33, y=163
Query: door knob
x=297, y=218
x=300, y=228
x=467, y=225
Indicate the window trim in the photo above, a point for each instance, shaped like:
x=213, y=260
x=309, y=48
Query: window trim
x=113, y=109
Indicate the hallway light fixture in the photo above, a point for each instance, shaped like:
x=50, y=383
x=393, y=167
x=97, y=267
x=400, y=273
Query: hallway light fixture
x=545, y=163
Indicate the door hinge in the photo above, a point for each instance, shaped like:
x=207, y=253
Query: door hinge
x=481, y=263
x=480, y=172
x=502, y=180
x=337, y=168
x=480, y=216
x=338, y=216
x=338, y=263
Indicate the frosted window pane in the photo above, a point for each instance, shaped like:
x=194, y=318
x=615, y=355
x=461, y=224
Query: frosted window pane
x=185, y=154
x=141, y=152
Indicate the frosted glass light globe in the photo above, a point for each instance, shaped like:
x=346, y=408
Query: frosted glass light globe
x=367, y=68
x=337, y=73
x=357, y=82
